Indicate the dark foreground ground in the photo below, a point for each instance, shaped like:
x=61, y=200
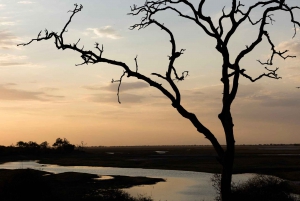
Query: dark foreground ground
x=281, y=161
x=35, y=185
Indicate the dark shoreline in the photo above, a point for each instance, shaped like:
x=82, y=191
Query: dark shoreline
x=281, y=161
x=29, y=184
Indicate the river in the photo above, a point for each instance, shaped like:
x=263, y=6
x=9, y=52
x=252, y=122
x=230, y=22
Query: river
x=179, y=185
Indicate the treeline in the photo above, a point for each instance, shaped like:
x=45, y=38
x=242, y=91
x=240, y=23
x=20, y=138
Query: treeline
x=33, y=148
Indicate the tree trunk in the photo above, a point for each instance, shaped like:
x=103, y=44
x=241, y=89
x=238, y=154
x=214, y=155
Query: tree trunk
x=227, y=175
x=228, y=158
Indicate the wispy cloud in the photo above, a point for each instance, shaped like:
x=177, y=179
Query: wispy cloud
x=49, y=89
x=4, y=21
x=8, y=92
x=295, y=77
x=125, y=86
x=11, y=57
x=292, y=45
x=7, y=23
x=10, y=60
x=25, y=2
x=7, y=60
x=105, y=32
x=8, y=40
x=108, y=98
x=2, y=6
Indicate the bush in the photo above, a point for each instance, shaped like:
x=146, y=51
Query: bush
x=258, y=188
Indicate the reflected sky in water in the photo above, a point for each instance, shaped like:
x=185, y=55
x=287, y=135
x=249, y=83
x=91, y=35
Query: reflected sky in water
x=179, y=185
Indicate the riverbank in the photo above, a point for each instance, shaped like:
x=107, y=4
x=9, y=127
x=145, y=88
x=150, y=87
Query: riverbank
x=29, y=184
x=281, y=161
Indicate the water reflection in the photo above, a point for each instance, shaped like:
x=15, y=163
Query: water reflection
x=179, y=185
x=176, y=189
x=103, y=177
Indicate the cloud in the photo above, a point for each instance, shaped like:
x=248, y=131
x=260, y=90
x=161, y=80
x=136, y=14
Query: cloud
x=8, y=60
x=109, y=98
x=6, y=64
x=2, y=6
x=248, y=90
x=9, y=57
x=294, y=77
x=7, y=23
x=8, y=40
x=15, y=94
x=292, y=45
x=10, y=84
x=8, y=93
x=4, y=22
x=11, y=60
x=296, y=68
x=113, y=87
x=125, y=86
x=25, y=2
x=49, y=89
x=288, y=98
x=105, y=32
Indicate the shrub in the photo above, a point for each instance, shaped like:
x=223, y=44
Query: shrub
x=258, y=188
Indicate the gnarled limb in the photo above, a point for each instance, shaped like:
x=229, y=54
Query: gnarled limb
x=272, y=74
x=281, y=54
x=89, y=57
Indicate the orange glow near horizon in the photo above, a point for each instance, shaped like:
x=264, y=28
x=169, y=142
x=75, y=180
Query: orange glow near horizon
x=44, y=95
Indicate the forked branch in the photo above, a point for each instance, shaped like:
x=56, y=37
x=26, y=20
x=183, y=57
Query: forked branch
x=120, y=82
x=274, y=52
x=89, y=57
x=272, y=74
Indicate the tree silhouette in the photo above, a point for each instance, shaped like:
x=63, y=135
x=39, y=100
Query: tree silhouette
x=44, y=145
x=63, y=145
x=231, y=70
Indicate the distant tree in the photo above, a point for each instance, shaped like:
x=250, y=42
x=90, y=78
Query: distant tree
x=81, y=146
x=61, y=142
x=22, y=144
x=63, y=145
x=44, y=145
x=32, y=144
x=239, y=15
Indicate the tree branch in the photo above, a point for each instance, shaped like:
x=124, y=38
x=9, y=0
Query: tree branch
x=281, y=54
x=89, y=57
x=272, y=74
x=120, y=82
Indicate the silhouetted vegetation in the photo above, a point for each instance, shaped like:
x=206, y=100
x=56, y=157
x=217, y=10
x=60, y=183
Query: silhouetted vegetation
x=258, y=188
x=34, y=185
x=113, y=195
x=61, y=146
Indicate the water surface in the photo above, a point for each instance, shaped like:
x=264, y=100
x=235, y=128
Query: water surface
x=179, y=185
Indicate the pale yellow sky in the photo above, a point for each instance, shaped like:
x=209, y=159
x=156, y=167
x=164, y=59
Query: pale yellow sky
x=43, y=95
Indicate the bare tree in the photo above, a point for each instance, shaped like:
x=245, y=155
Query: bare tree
x=231, y=71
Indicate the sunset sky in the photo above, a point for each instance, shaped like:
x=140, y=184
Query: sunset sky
x=43, y=95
